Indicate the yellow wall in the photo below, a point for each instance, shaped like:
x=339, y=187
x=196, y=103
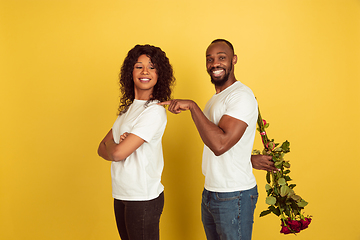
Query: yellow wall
x=59, y=62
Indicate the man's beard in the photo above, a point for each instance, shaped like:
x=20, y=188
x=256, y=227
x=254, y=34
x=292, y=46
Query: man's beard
x=222, y=81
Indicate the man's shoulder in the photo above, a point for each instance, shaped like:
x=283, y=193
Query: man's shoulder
x=240, y=89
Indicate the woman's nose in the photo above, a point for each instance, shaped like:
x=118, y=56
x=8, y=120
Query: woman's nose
x=145, y=71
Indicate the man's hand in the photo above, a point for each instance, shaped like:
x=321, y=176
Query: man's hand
x=263, y=162
x=177, y=105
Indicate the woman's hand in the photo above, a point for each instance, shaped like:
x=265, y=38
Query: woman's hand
x=122, y=137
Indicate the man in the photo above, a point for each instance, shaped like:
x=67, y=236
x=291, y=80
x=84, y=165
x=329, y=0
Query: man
x=227, y=128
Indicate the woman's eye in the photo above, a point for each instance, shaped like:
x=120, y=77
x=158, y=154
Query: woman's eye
x=138, y=67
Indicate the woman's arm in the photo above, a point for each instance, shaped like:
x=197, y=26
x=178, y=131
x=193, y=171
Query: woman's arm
x=111, y=151
x=119, y=152
x=102, y=152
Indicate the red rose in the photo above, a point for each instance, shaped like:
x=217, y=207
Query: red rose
x=285, y=230
x=294, y=225
x=264, y=122
x=305, y=223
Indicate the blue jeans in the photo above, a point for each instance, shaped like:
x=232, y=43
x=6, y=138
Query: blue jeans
x=228, y=215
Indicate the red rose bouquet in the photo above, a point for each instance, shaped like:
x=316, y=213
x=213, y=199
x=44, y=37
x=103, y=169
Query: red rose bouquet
x=280, y=194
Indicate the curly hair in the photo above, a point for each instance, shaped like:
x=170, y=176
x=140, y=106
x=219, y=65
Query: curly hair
x=166, y=80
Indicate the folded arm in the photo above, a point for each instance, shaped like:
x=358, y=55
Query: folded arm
x=111, y=151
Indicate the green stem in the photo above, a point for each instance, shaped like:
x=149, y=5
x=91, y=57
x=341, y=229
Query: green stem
x=260, y=123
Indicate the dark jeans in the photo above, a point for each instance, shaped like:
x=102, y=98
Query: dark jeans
x=139, y=220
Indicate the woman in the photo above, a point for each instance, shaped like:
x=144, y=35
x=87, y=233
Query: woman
x=134, y=143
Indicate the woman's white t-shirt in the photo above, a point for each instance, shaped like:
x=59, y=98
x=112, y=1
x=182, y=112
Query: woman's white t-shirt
x=138, y=177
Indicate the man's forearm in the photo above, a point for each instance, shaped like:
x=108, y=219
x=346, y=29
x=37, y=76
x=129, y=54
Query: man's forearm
x=211, y=135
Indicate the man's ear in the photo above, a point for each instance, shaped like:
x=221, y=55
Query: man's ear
x=234, y=59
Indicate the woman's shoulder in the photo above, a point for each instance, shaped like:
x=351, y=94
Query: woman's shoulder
x=154, y=107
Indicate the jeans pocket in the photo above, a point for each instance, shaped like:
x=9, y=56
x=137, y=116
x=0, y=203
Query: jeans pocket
x=227, y=196
x=254, y=199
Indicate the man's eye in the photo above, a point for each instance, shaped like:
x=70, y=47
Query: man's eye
x=209, y=60
x=222, y=58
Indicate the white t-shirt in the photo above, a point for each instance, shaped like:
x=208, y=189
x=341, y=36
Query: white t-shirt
x=138, y=177
x=231, y=171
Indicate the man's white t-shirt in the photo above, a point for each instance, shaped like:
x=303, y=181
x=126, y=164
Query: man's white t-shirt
x=231, y=171
x=138, y=177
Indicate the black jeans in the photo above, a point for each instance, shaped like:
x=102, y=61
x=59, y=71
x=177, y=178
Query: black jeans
x=139, y=220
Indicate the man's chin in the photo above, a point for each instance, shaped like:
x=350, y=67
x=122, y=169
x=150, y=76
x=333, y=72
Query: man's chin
x=218, y=82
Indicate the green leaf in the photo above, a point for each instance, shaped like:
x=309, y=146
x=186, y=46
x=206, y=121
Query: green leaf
x=275, y=210
x=296, y=197
x=282, y=181
x=268, y=177
x=286, y=171
x=291, y=193
x=276, y=190
x=264, y=213
x=278, y=165
x=287, y=178
x=268, y=187
x=266, y=125
x=286, y=146
x=302, y=203
x=279, y=149
x=255, y=152
x=292, y=186
x=284, y=190
x=271, y=145
x=270, y=200
x=287, y=164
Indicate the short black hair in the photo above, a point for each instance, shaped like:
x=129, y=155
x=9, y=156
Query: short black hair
x=225, y=41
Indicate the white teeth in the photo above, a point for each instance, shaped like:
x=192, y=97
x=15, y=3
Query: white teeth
x=144, y=79
x=218, y=72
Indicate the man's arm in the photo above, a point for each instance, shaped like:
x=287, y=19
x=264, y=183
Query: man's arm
x=219, y=138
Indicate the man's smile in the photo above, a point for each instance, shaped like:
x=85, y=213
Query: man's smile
x=218, y=72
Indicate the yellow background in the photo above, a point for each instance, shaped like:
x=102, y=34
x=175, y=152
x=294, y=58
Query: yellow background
x=59, y=62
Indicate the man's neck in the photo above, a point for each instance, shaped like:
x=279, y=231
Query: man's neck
x=227, y=84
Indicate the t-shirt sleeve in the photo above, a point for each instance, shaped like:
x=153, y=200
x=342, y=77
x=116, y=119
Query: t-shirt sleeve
x=242, y=106
x=151, y=121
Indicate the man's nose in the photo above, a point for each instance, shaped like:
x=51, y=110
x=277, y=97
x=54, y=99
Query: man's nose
x=216, y=63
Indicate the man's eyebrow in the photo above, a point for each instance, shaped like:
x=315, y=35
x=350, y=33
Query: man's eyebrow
x=216, y=53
